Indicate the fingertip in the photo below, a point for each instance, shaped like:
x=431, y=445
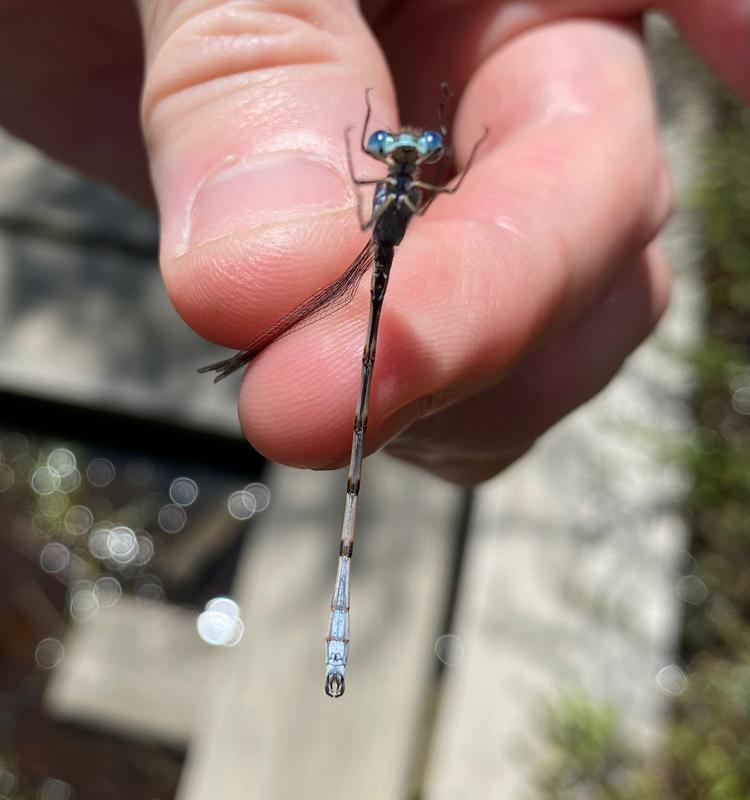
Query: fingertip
x=296, y=401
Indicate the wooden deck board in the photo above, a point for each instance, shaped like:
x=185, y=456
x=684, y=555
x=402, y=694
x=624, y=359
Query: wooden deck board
x=135, y=668
x=90, y=323
x=267, y=729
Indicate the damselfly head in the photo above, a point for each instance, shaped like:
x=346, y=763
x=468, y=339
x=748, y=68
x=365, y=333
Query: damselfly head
x=406, y=146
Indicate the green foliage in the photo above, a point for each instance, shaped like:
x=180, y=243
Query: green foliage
x=724, y=202
x=709, y=747
x=588, y=757
x=719, y=458
x=706, y=755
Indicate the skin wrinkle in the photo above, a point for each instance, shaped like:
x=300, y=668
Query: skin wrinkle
x=169, y=82
x=318, y=43
x=165, y=16
x=269, y=50
x=176, y=113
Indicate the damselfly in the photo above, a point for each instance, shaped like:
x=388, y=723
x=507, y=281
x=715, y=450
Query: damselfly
x=398, y=196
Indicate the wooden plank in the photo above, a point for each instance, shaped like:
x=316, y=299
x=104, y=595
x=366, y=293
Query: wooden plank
x=43, y=194
x=569, y=580
x=84, y=316
x=267, y=730
x=568, y=587
x=136, y=668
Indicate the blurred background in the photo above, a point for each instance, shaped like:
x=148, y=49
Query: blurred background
x=578, y=628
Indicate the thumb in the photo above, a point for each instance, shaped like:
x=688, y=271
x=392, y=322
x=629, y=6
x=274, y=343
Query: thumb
x=244, y=109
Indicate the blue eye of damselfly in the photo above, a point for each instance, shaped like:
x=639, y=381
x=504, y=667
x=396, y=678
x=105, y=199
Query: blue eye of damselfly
x=430, y=145
x=378, y=142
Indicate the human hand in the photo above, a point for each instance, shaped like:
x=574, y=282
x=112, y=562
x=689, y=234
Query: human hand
x=510, y=303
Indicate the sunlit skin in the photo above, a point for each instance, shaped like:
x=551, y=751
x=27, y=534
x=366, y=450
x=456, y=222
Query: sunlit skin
x=510, y=303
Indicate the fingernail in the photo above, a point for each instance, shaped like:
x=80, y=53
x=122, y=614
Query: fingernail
x=260, y=189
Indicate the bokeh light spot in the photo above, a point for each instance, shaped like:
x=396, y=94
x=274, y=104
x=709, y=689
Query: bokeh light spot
x=54, y=557
x=449, y=649
x=671, y=680
x=122, y=544
x=148, y=589
x=52, y=505
x=49, y=653
x=172, y=518
x=741, y=400
x=691, y=589
x=215, y=628
x=261, y=494
x=220, y=624
x=83, y=602
x=8, y=781
x=78, y=520
x=70, y=482
x=99, y=541
x=107, y=590
x=224, y=605
x=238, y=631
x=183, y=491
x=53, y=789
x=100, y=472
x=145, y=549
x=14, y=445
x=7, y=477
x=62, y=460
x=45, y=480
x=241, y=505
